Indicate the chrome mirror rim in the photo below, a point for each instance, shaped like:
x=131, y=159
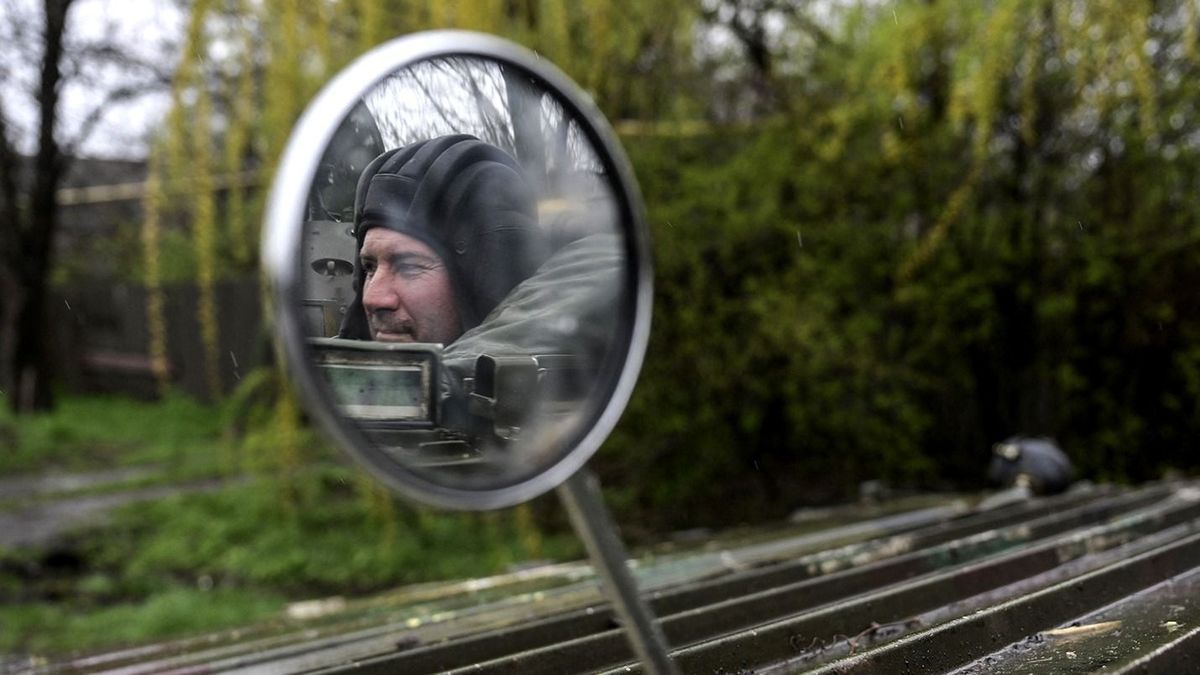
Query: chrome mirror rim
x=282, y=242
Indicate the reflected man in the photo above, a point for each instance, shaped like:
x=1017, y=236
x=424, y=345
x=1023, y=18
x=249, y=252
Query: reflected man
x=450, y=251
x=445, y=229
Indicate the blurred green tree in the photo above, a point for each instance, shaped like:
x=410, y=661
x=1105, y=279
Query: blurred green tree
x=887, y=234
x=968, y=220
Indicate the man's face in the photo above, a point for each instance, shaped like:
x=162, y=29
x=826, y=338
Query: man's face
x=406, y=290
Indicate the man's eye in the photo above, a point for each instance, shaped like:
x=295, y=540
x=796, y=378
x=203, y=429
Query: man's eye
x=368, y=269
x=412, y=269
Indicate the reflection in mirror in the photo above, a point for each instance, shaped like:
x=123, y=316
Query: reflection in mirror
x=465, y=273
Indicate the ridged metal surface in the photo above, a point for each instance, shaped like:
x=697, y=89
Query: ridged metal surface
x=1103, y=578
x=928, y=600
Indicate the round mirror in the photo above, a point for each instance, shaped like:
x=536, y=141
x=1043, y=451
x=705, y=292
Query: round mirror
x=460, y=269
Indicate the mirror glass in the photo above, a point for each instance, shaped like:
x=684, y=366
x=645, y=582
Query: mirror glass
x=466, y=283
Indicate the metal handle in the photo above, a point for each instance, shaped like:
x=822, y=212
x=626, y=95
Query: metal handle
x=585, y=506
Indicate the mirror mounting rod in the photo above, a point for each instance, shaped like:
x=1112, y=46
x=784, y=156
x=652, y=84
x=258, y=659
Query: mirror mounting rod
x=581, y=496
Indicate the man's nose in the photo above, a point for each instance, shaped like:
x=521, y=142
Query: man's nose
x=381, y=293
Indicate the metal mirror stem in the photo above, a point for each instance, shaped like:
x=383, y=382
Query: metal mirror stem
x=581, y=496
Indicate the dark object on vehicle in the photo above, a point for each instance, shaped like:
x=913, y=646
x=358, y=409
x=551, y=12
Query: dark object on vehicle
x=1036, y=463
x=330, y=248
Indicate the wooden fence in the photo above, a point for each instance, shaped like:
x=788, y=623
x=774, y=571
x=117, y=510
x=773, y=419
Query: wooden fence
x=102, y=341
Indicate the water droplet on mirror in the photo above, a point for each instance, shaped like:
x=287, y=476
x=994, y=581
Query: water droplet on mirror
x=566, y=325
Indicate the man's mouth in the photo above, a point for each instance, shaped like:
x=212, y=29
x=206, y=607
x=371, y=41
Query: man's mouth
x=403, y=332
x=384, y=336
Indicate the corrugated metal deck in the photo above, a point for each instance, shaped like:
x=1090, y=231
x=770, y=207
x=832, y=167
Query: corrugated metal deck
x=1101, y=578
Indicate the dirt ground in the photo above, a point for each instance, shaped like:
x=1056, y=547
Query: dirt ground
x=37, y=509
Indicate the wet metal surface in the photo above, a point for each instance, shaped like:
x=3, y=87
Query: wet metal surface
x=1113, y=638
x=962, y=640
x=927, y=563
x=469, y=618
x=1097, y=579
x=583, y=641
x=382, y=624
x=805, y=640
x=429, y=650
x=1181, y=655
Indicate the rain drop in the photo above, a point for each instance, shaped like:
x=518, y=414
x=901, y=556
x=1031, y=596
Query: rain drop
x=566, y=325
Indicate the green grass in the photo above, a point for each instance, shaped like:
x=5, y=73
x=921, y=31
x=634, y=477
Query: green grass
x=257, y=543
x=42, y=628
x=292, y=525
x=313, y=535
x=94, y=433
